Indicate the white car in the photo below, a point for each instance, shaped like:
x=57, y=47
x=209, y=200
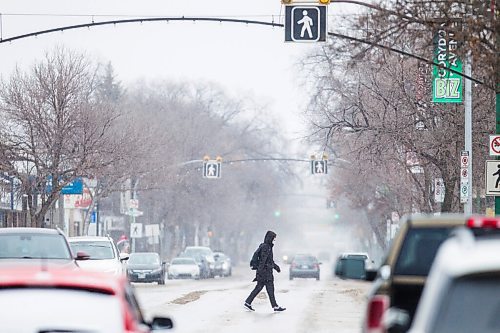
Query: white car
x=103, y=254
x=183, y=268
x=461, y=292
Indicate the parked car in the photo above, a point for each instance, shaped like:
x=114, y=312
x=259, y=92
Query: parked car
x=402, y=276
x=304, y=266
x=461, y=293
x=351, y=266
x=38, y=298
x=184, y=267
x=204, y=257
x=223, y=266
x=103, y=254
x=34, y=244
x=145, y=267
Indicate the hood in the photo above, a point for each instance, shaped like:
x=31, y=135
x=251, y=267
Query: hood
x=268, y=239
x=101, y=265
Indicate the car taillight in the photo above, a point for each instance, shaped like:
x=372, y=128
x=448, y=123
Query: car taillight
x=375, y=311
x=483, y=222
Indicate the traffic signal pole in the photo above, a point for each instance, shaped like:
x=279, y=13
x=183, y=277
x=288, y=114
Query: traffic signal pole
x=497, y=86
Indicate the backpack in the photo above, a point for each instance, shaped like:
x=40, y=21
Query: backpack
x=254, y=262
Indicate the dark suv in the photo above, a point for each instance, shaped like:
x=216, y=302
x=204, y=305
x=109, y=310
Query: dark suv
x=401, y=278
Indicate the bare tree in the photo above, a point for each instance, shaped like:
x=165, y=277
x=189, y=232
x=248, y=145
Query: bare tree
x=56, y=128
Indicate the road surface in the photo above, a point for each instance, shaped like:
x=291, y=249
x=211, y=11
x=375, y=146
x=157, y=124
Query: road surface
x=216, y=305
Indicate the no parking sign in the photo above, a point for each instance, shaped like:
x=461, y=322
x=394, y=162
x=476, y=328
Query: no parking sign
x=494, y=145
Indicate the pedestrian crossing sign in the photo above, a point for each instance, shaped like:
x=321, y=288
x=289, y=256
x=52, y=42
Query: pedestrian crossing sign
x=492, y=176
x=305, y=23
x=212, y=169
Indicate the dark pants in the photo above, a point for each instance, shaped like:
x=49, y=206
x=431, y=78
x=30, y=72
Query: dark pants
x=270, y=292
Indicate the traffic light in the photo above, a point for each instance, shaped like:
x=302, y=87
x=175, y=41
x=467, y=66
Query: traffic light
x=277, y=213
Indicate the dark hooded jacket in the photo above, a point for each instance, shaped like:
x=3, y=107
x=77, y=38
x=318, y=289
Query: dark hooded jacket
x=266, y=264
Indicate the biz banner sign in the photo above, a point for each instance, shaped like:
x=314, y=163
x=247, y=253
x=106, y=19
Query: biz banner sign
x=446, y=85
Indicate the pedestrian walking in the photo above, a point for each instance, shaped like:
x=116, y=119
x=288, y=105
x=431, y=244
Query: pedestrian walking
x=263, y=262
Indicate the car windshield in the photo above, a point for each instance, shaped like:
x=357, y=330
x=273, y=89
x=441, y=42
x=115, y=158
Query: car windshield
x=97, y=250
x=30, y=245
x=419, y=250
x=144, y=259
x=357, y=256
x=185, y=261
x=471, y=305
x=69, y=311
x=304, y=259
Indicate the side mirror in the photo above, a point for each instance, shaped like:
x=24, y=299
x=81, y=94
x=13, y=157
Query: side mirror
x=80, y=255
x=161, y=323
x=396, y=320
x=124, y=256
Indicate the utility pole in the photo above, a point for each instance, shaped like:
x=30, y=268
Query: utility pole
x=468, y=130
x=496, y=24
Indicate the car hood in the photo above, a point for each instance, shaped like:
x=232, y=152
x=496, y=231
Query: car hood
x=183, y=267
x=69, y=263
x=101, y=265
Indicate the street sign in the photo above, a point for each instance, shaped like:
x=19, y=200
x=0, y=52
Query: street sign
x=134, y=212
x=464, y=176
x=319, y=166
x=305, y=23
x=135, y=230
x=464, y=159
x=134, y=203
x=212, y=169
x=74, y=187
x=439, y=190
x=446, y=85
x=494, y=145
x=492, y=177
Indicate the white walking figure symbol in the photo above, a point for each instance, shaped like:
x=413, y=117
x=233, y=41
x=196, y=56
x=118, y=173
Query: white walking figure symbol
x=211, y=170
x=306, y=22
x=319, y=167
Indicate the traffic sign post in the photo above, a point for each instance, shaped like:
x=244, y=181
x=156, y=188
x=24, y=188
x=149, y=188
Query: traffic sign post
x=305, y=23
x=464, y=177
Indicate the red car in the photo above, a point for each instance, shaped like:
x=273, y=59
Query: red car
x=45, y=297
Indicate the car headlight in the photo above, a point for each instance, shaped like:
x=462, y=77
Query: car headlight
x=225, y=265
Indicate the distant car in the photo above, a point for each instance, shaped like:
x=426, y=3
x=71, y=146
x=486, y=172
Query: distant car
x=304, y=266
x=461, y=292
x=35, y=244
x=184, y=267
x=204, y=257
x=145, y=267
x=351, y=265
x=103, y=254
x=223, y=266
x=51, y=298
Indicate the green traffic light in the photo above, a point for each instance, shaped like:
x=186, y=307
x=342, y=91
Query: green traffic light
x=277, y=213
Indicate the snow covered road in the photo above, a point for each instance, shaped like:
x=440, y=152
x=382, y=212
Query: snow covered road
x=216, y=305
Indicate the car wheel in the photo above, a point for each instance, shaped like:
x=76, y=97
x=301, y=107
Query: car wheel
x=161, y=281
x=291, y=277
x=317, y=278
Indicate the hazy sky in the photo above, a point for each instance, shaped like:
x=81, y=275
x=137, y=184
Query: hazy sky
x=246, y=60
